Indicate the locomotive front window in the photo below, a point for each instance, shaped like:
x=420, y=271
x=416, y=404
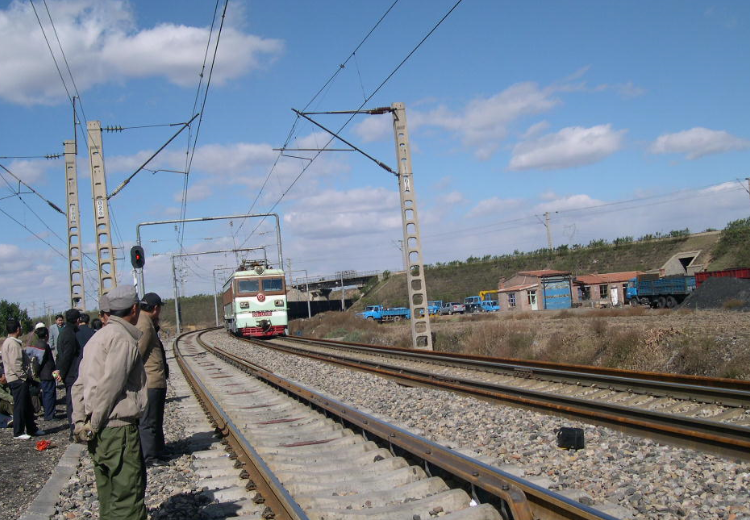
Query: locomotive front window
x=248, y=286
x=273, y=284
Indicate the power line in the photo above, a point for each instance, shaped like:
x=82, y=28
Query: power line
x=377, y=89
x=290, y=135
x=183, y=209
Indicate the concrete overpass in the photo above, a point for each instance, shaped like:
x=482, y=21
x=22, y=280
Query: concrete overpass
x=323, y=285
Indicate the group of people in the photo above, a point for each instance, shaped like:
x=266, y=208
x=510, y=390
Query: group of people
x=115, y=385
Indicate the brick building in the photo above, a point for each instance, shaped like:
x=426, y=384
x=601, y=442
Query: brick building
x=536, y=290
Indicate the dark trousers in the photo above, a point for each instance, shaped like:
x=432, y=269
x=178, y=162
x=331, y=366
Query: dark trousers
x=120, y=473
x=49, y=398
x=69, y=404
x=151, y=425
x=23, y=415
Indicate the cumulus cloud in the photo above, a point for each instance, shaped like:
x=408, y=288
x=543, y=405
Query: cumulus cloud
x=195, y=193
x=485, y=122
x=451, y=199
x=697, y=142
x=493, y=206
x=32, y=171
x=333, y=213
x=103, y=44
x=572, y=146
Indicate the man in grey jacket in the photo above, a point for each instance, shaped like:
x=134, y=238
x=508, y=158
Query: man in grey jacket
x=16, y=363
x=109, y=397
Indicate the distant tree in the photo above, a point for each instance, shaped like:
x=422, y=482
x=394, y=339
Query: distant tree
x=13, y=310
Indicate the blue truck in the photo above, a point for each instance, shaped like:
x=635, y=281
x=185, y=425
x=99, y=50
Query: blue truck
x=667, y=292
x=490, y=306
x=381, y=314
x=433, y=307
x=473, y=304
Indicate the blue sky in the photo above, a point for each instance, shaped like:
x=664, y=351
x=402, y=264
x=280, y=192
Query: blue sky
x=619, y=119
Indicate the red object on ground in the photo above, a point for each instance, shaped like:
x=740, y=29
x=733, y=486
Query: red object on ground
x=43, y=445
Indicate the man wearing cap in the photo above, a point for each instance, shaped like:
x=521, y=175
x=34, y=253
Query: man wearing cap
x=155, y=363
x=104, y=309
x=68, y=358
x=109, y=398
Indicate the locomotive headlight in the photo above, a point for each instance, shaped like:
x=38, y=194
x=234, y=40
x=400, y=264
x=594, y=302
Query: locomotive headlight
x=278, y=303
x=244, y=305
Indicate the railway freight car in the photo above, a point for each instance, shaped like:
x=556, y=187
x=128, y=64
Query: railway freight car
x=254, y=301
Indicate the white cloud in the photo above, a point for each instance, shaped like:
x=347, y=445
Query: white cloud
x=697, y=142
x=535, y=129
x=195, y=193
x=451, y=199
x=31, y=171
x=340, y=214
x=567, y=203
x=102, y=44
x=572, y=146
x=494, y=206
x=485, y=122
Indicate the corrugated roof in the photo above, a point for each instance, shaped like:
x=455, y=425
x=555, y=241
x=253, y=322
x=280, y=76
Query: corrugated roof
x=595, y=279
x=518, y=287
x=544, y=272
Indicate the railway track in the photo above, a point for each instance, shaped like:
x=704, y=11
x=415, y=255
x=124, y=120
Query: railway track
x=310, y=456
x=702, y=413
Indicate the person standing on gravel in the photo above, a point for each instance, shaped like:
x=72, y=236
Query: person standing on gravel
x=54, y=333
x=47, y=370
x=155, y=362
x=16, y=364
x=109, y=397
x=68, y=358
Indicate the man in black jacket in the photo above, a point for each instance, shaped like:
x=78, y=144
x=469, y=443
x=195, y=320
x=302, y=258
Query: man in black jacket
x=68, y=358
x=84, y=331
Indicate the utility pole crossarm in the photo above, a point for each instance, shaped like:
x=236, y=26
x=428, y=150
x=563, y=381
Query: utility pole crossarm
x=334, y=134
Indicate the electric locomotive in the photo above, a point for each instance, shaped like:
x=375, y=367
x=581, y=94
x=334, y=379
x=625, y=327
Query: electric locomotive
x=254, y=301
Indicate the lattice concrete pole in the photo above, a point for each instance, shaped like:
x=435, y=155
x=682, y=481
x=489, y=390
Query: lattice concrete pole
x=75, y=261
x=105, y=253
x=420, y=318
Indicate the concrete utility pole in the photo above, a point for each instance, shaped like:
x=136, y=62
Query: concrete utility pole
x=420, y=318
x=343, y=299
x=549, y=231
x=105, y=253
x=75, y=260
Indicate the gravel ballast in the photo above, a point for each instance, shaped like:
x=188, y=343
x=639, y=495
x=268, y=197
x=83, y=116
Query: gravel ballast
x=652, y=480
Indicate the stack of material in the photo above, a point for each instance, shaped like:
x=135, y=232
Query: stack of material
x=718, y=293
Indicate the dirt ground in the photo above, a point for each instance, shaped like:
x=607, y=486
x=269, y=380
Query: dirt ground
x=704, y=342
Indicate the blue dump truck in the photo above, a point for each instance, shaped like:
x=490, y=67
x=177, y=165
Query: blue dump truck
x=433, y=307
x=667, y=292
x=380, y=314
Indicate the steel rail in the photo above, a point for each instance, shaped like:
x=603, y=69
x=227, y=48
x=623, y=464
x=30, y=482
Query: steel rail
x=725, y=439
x=525, y=500
x=719, y=390
x=277, y=498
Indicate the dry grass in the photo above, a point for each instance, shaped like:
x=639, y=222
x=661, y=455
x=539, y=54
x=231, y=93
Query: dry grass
x=710, y=343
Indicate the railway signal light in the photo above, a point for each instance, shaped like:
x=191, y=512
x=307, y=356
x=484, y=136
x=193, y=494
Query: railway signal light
x=137, y=257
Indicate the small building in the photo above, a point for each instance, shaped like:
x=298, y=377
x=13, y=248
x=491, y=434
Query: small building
x=602, y=290
x=536, y=290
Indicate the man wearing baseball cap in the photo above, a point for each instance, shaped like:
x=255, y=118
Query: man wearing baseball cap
x=155, y=363
x=109, y=398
